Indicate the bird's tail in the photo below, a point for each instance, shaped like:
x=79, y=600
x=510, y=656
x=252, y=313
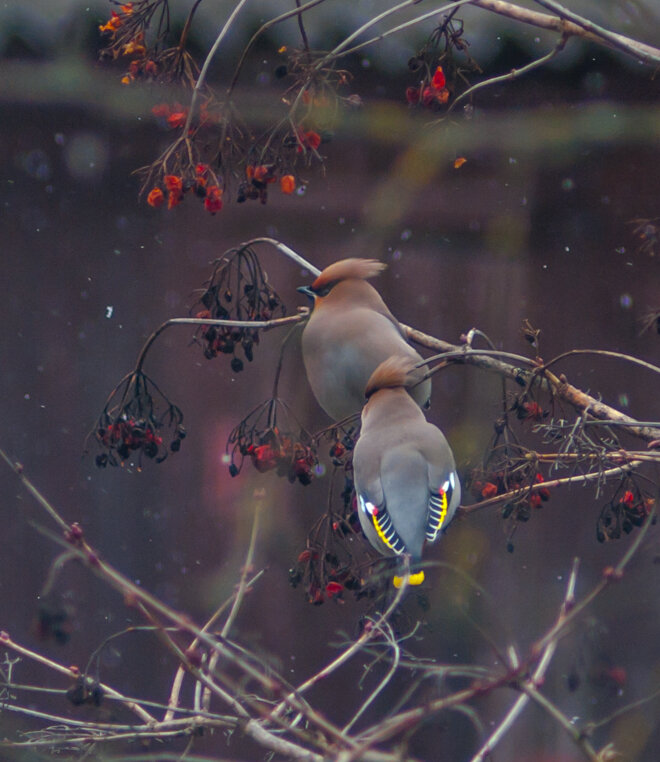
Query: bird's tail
x=413, y=579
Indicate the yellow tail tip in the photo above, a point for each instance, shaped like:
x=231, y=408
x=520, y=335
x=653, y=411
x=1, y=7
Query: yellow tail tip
x=413, y=579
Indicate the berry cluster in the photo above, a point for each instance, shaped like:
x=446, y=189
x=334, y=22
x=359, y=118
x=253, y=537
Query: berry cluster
x=328, y=567
x=432, y=91
x=486, y=486
x=528, y=410
x=341, y=451
x=202, y=183
x=279, y=451
x=258, y=178
x=134, y=427
x=238, y=290
x=259, y=438
x=324, y=576
x=126, y=34
x=626, y=510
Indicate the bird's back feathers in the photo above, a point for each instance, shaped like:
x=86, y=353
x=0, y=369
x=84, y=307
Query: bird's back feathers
x=404, y=470
x=349, y=333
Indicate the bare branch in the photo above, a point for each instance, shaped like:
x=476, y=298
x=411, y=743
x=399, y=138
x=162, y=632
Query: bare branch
x=560, y=387
x=537, y=677
x=370, y=630
x=513, y=495
x=570, y=23
x=73, y=674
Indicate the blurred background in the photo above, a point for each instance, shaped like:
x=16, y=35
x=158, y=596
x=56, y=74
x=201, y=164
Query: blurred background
x=537, y=224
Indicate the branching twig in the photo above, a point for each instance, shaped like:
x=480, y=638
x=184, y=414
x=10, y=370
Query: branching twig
x=513, y=495
x=513, y=74
x=536, y=678
x=368, y=633
x=567, y=22
x=73, y=674
x=559, y=386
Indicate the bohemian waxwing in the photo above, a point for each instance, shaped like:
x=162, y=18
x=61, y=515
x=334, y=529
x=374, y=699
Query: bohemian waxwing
x=405, y=476
x=349, y=333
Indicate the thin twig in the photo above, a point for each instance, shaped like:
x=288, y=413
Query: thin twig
x=513, y=74
x=287, y=251
x=523, y=377
x=512, y=715
x=368, y=633
x=341, y=52
x=531, y=692
x=263, y=324
x=610, y=575
x=201, y=79
x=386, y=630
x=571, y=24
x=73, y=674
x=241, y=590
x=513, y=495
x=603, y=353
x=298, y=11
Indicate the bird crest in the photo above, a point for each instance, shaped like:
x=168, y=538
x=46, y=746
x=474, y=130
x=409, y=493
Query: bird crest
x=390, y=374
x=361, y=269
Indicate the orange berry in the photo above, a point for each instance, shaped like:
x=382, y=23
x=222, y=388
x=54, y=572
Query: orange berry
x=439, y=80
x=156, y=197
x=287, y=184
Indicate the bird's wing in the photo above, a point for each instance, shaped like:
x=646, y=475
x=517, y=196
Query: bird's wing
x=444, y=486
x=371, y=504
x=372, y=509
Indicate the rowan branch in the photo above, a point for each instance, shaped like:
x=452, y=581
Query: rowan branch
x=536, y=678
x=567, y=22
x=513, y=495
x=559, y=387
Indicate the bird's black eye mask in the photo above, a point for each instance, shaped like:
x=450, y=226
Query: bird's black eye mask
x=310, y=293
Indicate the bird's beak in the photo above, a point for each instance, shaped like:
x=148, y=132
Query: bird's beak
x=307, y=291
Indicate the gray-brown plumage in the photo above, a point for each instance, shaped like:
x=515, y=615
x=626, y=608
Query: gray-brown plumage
x=349, y=333
x=405, y=476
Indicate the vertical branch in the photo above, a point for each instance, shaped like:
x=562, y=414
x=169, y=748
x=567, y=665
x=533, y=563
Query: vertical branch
x=544, y=662
x=370, y=630
x=201, y=80
x=240, y=592
x=303, y=33
x=249, y=558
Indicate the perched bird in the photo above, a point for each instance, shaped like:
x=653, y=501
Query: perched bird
x=349, y=333
x=405, y=476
